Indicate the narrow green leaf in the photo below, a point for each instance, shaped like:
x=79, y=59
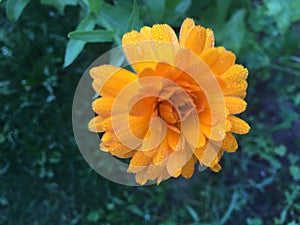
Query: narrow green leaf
x=95, y=6
x=74, y=47
x=88, y=23
x=232, y=206
x=192, y=212
x=92, y=36
x=134, y=17
x=14, y=8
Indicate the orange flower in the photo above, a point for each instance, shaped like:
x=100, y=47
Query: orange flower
x=177, y=109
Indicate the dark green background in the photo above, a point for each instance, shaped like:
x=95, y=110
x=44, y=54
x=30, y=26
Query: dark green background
x=45, y=180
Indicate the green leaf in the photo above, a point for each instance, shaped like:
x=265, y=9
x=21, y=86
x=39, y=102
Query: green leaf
x=74, y=47
x=280, y=150
x=135, y=210
x=295, y=172
x=254, y=221
x=93, y=216
x=92, y=36
x=183, y=6
x=59, y=4
x=284, y=12
x=157, y=9
x=256, y=57
x=134, y=17
x=116, y=16
x=176, y=9
x=223, y=6
x=297, y=99
x=233, y=33
x=192, y=212
x=95, y=6
x=14, y=8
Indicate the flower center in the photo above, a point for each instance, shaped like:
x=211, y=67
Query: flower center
x=174, y=104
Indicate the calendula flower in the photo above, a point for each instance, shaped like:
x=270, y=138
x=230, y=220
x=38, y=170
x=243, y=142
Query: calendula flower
x=165, y=102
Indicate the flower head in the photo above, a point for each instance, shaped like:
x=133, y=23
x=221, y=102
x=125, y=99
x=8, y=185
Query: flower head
x=178, y=108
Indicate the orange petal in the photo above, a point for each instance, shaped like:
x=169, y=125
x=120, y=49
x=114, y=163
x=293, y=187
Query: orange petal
x=146, y=31
x=144, y=107
x=138, y=128
x=236, y=73
x=177, y=173
x=107, y=124
x=116, y=148
x=225, y=61
x=236, y=89
x=102, y=106
x=216, y=168
x=199, y=100
x=163, y=32
x=218, y=59
x=175, y=163
x=163, y=176
x=110, y=80
x=167, y=112
x=110, y=143
x=127, y=155
x=210, y=39
x=188, y=169
x=153, y=171
x=196, y=39
x=211, y=55
x=139, y=50
x=164, y=43
x=160, y=70
x=217, y=159
x=191, y=131
x=229, y=143
x=198, y=153
x=186, y=26
x=238, y=125
x=227, y=125
x=96, y=124
x=172, y=74
x=242, y=95
x=108, y=138
x=140, y=177
x=162, y=152
x=209, y=154
x=201, y=140
x=139, y=162
x=205, y=116
x=214, y=132
x=235, y=105
x=173, y=139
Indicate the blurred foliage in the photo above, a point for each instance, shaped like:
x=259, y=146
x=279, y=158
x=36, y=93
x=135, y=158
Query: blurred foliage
x=43, y=177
